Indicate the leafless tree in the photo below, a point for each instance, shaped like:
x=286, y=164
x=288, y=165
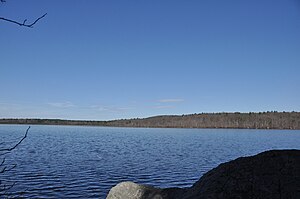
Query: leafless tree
x=4, y=187
x=25, y=22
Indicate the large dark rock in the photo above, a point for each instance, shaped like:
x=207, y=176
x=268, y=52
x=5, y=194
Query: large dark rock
x=268, y=175
x=271, y=174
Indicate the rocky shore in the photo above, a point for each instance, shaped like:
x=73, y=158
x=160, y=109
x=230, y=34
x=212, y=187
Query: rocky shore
x=269, y=175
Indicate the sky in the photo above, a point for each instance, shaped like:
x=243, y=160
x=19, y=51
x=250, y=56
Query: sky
x=103, y=60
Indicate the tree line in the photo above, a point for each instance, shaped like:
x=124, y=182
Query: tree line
x=260, y=120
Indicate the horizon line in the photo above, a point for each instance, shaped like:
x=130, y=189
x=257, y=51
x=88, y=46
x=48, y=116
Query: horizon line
x=134, y=118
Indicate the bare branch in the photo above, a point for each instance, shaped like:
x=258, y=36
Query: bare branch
x=24, y=22
x=2, y=163
x=5, y=188
x=15, y=146
x=5, y=169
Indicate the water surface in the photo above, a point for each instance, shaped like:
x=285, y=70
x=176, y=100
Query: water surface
x=85, y=162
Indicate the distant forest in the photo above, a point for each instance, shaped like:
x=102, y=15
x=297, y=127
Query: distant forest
x=261, y=120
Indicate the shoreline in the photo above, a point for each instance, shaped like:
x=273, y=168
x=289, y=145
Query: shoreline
x=141, y=127
x=261, y=120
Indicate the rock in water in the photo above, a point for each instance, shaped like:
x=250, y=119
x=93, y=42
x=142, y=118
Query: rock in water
x=268, y=175
x=131, y=190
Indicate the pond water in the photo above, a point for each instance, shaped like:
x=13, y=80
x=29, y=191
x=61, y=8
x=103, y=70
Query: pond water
x=85, y=162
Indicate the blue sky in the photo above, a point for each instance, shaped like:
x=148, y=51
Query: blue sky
x=104, y=60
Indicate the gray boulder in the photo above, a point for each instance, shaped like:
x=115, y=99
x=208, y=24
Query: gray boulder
x=130, y=190
x=269, y=175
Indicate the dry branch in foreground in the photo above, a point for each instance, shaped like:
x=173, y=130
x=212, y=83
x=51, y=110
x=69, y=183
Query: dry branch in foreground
x=5, y=187
x=29, y=25
x=24, y=23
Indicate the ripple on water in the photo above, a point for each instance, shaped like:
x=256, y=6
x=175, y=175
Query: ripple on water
x=85, y=162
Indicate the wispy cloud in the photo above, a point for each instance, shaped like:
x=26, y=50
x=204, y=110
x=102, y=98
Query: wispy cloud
x=110, y=108
x=61, y=104
x=9, y=106
x=162, y=107
x=170, y=100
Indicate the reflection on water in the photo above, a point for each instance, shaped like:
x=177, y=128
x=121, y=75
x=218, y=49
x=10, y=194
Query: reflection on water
x=85, y=162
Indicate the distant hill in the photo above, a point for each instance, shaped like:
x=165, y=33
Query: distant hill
x=261, y=120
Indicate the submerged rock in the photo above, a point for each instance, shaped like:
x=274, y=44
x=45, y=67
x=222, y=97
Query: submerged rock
x=268, y=175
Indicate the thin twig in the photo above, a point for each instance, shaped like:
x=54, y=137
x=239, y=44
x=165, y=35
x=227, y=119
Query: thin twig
x=24, y=22
x=2, y=163
x=5, y=188
x=5, y=169
x=12, y=148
